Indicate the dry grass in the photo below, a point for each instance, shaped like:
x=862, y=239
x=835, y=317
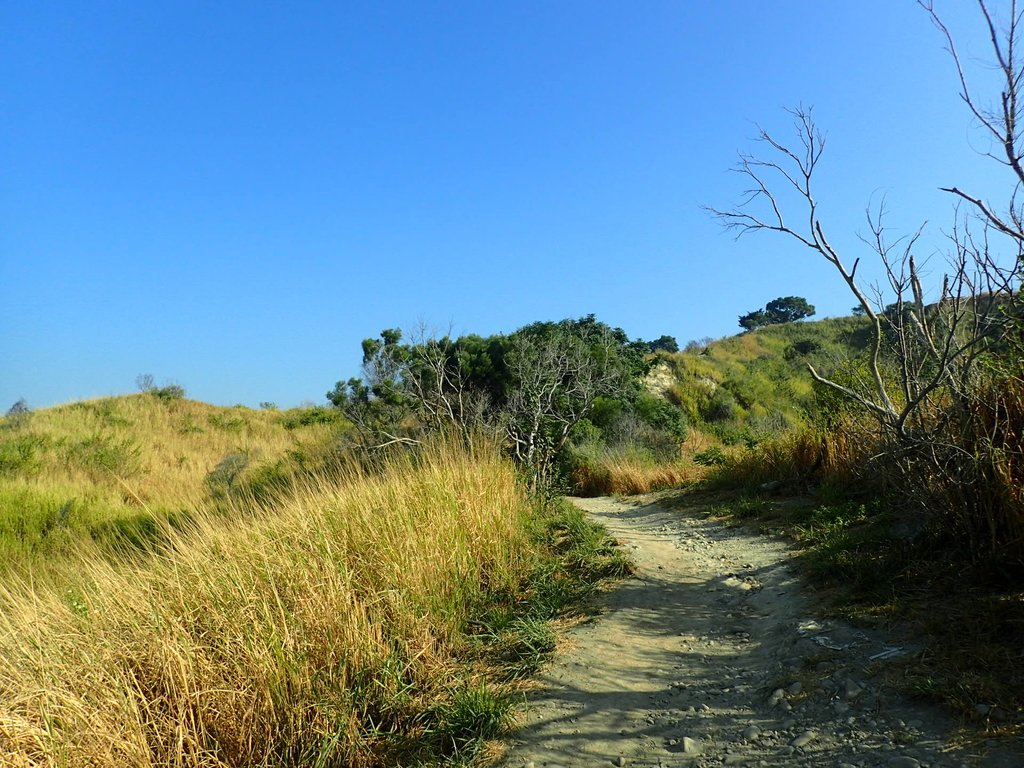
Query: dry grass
x=311, y=634
x=622, y=473
x=83, y=471
x=157, y=452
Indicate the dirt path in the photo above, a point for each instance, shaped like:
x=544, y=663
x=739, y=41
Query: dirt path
x=710, y=656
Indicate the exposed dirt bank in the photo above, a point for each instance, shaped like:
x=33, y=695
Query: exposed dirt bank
x=711, y=655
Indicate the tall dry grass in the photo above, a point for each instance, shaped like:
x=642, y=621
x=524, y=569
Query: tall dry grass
x=627, y=473
x=313, y=634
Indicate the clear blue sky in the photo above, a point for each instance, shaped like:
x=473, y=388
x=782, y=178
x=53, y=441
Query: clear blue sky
x=232, y=195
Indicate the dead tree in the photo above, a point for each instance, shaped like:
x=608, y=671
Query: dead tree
x=919, y=350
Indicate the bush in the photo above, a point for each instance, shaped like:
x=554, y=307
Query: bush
x=18, y=415
x=711, y=457
x=104, y=456
x=21, y=455
x=722, y=406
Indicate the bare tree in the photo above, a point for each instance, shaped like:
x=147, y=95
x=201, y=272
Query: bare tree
x=950, y=430
x=1001, y=123
x=558, y=377
x=933, y=345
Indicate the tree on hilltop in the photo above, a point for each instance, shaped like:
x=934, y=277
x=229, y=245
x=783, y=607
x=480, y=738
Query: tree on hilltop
x=785, y=309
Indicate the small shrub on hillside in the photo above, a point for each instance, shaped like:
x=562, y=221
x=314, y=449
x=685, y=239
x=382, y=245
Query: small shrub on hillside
x=221, y=480
x=227, y=421
x=722, y=406
x=104, y=456
x=307, y=417
x=711, y=457
x=802, y=348
x=169, y=393
x=189, y=425
x=22, y=455
x=18, y=415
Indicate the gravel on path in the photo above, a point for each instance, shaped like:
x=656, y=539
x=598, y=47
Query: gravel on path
x=710, y=655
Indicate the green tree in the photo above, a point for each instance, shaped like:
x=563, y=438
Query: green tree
x=532, y=386
x=788, y=309
x=753, y=320
x=785, y=309
x=664, y=344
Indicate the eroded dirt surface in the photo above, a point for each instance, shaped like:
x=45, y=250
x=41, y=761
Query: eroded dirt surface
x=711, y=655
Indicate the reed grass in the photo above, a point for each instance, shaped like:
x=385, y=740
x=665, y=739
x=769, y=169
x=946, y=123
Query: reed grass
x=326, y=630
x=630, y=472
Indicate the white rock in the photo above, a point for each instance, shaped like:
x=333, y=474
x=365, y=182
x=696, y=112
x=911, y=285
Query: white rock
x=903, y=762
x=691, y=746
x=750, y=733
x=804, y=739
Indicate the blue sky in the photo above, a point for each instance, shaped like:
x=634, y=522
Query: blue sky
x=230, y=196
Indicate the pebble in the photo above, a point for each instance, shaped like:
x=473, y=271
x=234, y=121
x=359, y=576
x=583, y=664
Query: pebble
x=853, y=690
x=841, y=708
x=750, y=733
x=691, y=746
x=777, y=695
x=804, y=739
x=795, y=688
x=903, y=762
x=620, y=761
x=788, y=723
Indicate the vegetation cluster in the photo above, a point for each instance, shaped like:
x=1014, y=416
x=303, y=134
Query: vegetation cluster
x=373, y=616
x=556, y=394
x=919, y=437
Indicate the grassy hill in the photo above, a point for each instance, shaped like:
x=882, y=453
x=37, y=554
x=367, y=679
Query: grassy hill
x=106, y=471
x=730, y=393
x=366, y=617
x=756, y=383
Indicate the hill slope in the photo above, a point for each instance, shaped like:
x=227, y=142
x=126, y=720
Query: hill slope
x=756, y=383
x=103, y=469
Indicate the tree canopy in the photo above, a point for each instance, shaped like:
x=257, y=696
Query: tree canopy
x=785, y=309
x=533, y=386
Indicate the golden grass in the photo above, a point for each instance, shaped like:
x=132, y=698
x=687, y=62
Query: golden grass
x=627, y=474
x=298, y=636
x=168, y=447
x=72, y=473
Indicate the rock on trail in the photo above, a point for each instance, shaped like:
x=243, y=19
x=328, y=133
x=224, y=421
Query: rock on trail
x=711, y=656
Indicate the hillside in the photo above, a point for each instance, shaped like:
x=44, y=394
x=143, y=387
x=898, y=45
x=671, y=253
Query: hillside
x=756, y=383
x=103, y=470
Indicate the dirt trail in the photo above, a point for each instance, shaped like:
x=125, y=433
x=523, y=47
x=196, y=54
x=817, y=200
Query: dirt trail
x=711, y=656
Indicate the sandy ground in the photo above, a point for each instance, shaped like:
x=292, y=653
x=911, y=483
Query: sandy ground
x=711, y=655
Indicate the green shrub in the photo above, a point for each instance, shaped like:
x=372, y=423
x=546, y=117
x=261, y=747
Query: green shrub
x=307, y=417
x=21, y=455
x=221, y=479
x=229, y=422
x=711, y=457
x=168, y=393
x=18, y=415
x=103, y=455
